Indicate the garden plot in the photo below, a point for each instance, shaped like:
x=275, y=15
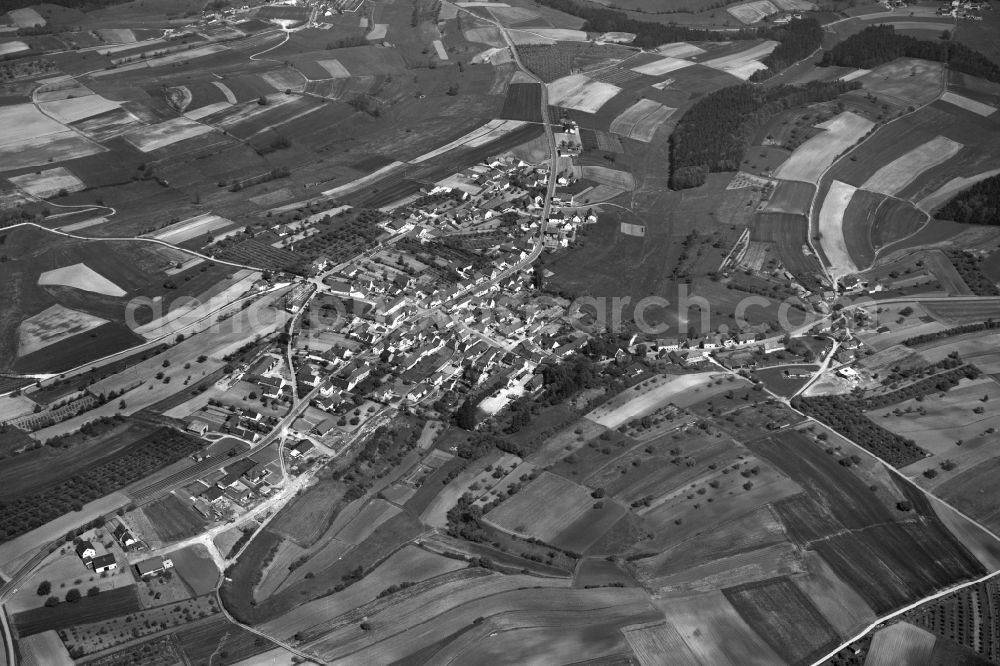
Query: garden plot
x=50, y=182
x=493, y=129
x=831, y=229
x=744, y=63
x=8, y=48
x=581, y=93
x=752, y=12
x=334, y=69
x=191, y=228
x=662, y=66
x=680, y=50
x=148, y=139
x=641, y=120
x=813, y=157
x=72, y=109
x=52, y=325
x=80, y=276
x=903, y=170
x=968, y=104
x=941, y=195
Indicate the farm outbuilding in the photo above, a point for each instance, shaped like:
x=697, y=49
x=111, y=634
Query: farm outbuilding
x=104, y=563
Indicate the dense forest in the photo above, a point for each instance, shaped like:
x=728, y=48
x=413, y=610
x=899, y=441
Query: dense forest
x=880, y=44
x=714, y=133
x=980, y=204
x=797, y=39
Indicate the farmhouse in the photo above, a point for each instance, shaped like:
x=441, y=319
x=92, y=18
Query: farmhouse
x=86, y=551
x=153, y=566
x=104, y=563
x=300, y=449
x=123, y=536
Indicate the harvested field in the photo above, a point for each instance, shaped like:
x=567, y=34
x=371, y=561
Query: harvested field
x=59, y=146
x=48, y=183
x=543, y=509
x=641, y=120
x=80, y=276
x=44, y=649
x=788, y=234
x=493, y=129
x=621, y=180
x=752, y=12
x=791, y=197
x=812, y=158
x=906, y=81
x=662, y=66
x=150, y=138
x=900, y=643
x=974, y=492
x=334, y=69
x=20, y=122
x=26, y=17
x=73, y=109
x=580, y=93
x=641, y=400
x=194, y=227
x=367, y=521
x=7, y=48
x=831, y=231
x=968, y=104
x=784, y=617
x=53, y=325
x=680, y=50
x=902, y=171
x=714, y=632
x=744, y=63
x=658, y=643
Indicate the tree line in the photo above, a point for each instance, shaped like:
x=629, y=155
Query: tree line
x=715, y=133
x=802, y=36
x=987, y=325
x=980, y=204
x=880, y=44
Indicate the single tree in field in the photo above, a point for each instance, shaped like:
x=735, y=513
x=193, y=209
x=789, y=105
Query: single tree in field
x=73, y=595
x=44, y=588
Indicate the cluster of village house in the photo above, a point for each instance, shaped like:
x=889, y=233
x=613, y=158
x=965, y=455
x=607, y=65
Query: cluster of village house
x=106, y=561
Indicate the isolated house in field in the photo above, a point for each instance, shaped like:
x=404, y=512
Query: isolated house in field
x=104, y=563
x=198, y=427
x=86, y=551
